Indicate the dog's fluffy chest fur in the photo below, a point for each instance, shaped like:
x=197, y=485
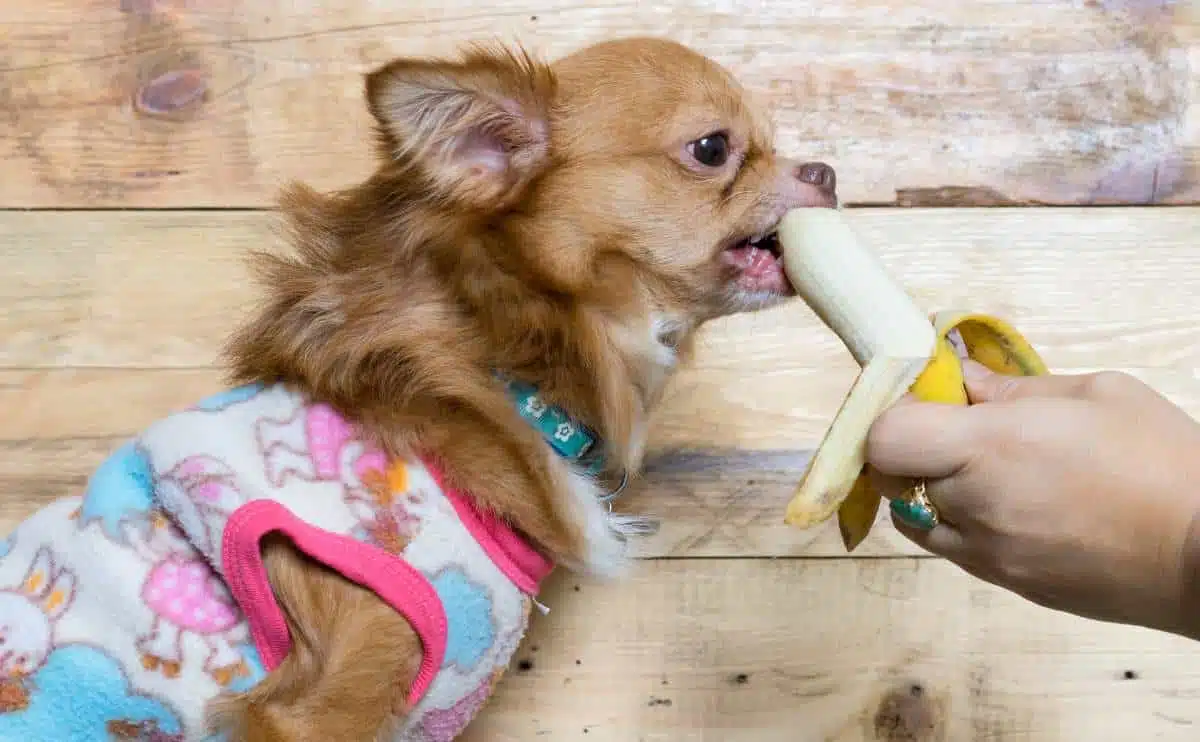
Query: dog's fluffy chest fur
x=148, y=593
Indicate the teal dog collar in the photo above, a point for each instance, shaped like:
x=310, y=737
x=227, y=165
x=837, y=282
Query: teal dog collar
x=570, y=439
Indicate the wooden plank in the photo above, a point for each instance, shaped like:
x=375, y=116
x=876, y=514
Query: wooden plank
x=1091, y=287
x=715, y=492
x=832, y=651
x=173, y=103
x=122, y=289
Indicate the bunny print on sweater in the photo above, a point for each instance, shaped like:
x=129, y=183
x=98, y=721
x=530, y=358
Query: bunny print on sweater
x=125, y=609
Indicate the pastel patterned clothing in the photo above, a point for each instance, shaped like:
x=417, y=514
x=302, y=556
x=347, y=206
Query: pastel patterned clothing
x=124, y=610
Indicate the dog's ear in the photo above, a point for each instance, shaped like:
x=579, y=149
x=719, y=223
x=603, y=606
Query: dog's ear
x=478, y=127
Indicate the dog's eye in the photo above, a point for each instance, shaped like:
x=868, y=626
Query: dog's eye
x=711, y=150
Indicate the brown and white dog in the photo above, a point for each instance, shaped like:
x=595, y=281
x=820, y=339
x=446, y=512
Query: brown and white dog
x=570, y=224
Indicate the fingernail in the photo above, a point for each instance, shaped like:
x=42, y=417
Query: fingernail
x=975, y=371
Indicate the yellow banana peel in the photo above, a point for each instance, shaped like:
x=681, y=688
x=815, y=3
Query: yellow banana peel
x=899, y=349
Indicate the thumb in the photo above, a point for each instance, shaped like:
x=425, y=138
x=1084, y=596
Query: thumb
x=985, y=385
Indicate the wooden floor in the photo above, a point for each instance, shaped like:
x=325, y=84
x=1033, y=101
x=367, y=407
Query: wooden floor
x=1035, y=158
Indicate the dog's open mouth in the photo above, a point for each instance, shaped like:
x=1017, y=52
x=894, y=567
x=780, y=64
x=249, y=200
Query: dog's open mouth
x=759, y=263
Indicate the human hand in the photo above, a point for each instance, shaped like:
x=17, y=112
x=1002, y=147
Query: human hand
x=1080, y=493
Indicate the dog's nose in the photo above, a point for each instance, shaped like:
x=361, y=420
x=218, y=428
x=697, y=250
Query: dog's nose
x=818, y=174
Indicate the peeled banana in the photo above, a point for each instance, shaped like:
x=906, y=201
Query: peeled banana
x=899, y=348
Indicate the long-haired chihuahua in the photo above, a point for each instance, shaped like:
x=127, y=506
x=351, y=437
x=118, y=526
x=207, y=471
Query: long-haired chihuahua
x=451, y=372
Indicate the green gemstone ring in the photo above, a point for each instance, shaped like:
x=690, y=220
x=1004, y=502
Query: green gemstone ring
x=915, y=510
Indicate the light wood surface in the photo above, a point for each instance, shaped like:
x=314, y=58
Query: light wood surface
x=853, y=650
x=153, y=289
x=735, y=628
x=180, y=103
x=114, y=319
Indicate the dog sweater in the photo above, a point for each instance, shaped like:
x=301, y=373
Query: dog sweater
x=124, y=610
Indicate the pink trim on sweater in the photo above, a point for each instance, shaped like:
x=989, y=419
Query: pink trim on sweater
x=394, y=580
x=515, y=557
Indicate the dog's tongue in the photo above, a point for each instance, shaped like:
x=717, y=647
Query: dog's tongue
x=760, y=269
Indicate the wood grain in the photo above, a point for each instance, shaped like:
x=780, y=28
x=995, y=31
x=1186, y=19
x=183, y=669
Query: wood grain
x=114, y=318
x=832, y=651
x=161, y=103
x=1091, y=287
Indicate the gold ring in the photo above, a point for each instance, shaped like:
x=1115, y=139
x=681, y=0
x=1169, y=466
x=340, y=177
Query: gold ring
x=915, y=509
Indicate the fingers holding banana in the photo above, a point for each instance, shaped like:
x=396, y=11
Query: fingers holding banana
x=902, y=352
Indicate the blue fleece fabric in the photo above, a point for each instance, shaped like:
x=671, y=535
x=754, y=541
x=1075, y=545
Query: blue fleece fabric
x=120, y=490
x=74, y=697
x=469, y=615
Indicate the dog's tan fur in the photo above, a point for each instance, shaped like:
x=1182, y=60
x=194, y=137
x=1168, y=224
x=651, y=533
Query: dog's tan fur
x=547, y=220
